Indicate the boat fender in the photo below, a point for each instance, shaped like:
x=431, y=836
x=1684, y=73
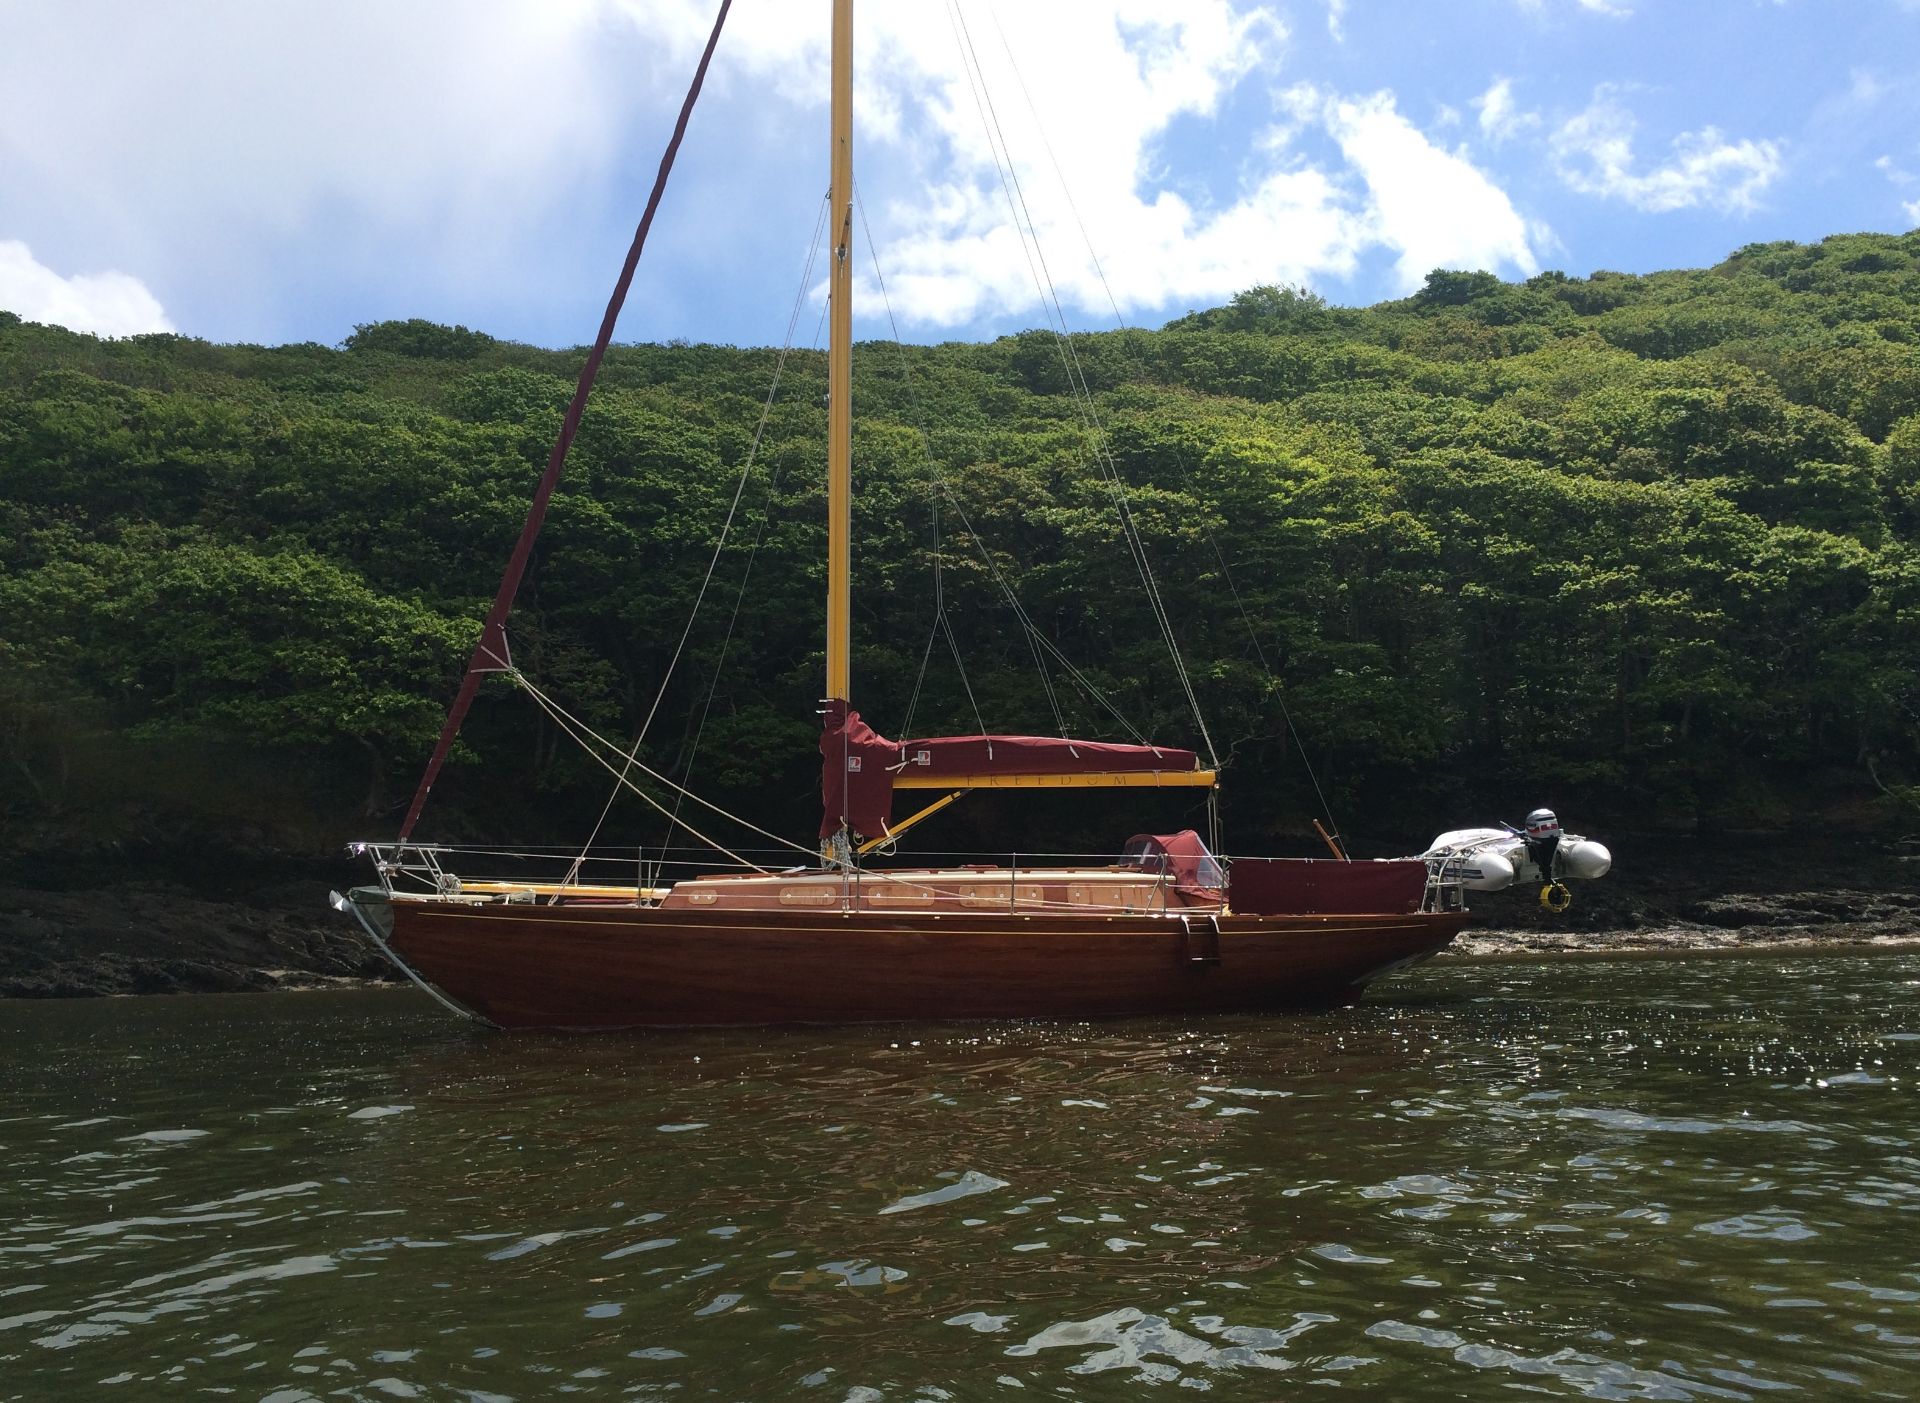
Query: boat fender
x=1584, y=858
x=1482, y=869
x=1556, y=897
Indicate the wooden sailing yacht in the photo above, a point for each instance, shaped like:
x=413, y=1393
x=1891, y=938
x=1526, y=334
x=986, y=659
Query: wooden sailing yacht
x=1167, y=928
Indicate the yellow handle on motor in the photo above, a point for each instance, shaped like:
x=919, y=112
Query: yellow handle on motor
x=1555, y=897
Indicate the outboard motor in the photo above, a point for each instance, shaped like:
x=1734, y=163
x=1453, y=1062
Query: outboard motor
x=1543, y=846
x=1543, y=840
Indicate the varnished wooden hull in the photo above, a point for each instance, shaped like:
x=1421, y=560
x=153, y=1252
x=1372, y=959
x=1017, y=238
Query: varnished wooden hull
x=523, y=966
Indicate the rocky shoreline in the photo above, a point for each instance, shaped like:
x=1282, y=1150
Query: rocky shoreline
x=269, y=926
x=159, y=937
x=1760, y=921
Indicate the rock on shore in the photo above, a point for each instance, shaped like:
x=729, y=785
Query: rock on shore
x=1672, y=895
x=1744, y=922
x=152, y=937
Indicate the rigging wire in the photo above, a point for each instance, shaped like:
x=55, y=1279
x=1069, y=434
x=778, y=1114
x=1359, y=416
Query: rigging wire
x=1077, y=380
x=1276, y=689
x=926, y=449
x=960, y=664
x=1028, y=230
x=941, y=621
x=624, y=854
x=759, y=535
x=1036, y=638
x=1040, y=639
x=926, y=653
x=579, y=732
x=1058, y=174
x=719, y=548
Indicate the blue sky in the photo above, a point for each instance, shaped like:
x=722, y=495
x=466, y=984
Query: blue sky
x=252, y=171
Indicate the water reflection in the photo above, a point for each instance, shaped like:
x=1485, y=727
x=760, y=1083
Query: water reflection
x=1657, y=1180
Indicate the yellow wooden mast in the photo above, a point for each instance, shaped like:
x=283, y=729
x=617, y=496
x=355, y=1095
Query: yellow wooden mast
x=840, y=366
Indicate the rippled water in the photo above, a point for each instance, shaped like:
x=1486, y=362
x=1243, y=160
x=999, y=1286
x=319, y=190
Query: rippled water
x=1662, y=1179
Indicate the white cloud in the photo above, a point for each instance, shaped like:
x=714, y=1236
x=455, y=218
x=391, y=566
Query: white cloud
x=952, y=256
x=423, y=159
x=1900, y=178
x=107, y=304
x=1138, y=66
x=445, y=134
x=1434, y=206
x=219, y=137
x=1337, y=20
x=1613, y=9
x=1594, y=151
x=1500, y=116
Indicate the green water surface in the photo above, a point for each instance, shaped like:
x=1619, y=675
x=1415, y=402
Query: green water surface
x=1660, y=1179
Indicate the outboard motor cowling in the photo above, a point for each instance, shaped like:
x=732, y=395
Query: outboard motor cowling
x=1543, y=841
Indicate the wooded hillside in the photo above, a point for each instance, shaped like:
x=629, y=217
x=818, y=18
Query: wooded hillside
x=1643, y=548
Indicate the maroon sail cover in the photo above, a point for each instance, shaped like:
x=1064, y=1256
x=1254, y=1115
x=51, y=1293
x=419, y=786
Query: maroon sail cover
x=858, y=764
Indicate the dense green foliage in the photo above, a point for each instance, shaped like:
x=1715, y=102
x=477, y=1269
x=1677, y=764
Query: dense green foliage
x=1643, y=547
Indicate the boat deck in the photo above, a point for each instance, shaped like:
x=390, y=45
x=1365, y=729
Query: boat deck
x=1102, y=891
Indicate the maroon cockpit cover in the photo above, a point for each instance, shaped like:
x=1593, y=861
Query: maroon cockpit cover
x=1184, y=854
x=858, y=765
x=1294, y=886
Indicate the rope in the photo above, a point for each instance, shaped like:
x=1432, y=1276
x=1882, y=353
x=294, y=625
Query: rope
x=1098, y=695
x=624, y=857
x=1058, y=174
x=759, y=535
x=581, y=732
x=666, y=678
x=926, y=653
x=625, y=854
x=953, y=646
x=1077, y=379
x=1273, y=683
